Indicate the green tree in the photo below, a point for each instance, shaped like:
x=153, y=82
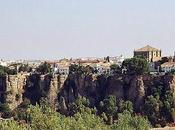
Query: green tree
x=168, y=109
x=136, y=66
x=79, y=70
x=115, y=69
x=128, y=122
x=2, y=70
x=44, y=68
x=109, y=107
x=24, y=68
x=125, y=106
x=6, y=111
x=79, y=105
x=152, y=109
x=11, y=125
x=163, y=60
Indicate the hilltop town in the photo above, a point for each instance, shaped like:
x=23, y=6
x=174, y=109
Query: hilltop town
x=105, y=90
x=157, y=63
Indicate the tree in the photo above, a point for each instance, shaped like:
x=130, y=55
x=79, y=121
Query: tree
x=2, y=70
x=109, y=106
x=136, y=66
x=163, y=60
x=7, y=70
x=128, y=122
x=75, y=69
x=24, y=68
x=125, y=106
x=115, y=69
x=152, y=109
x=6, y=111
x=44, y=68
x=168, y=109
x=4, y=107
x=79, y=70
x=79, y=105
x=88, y=70
x=11, y=125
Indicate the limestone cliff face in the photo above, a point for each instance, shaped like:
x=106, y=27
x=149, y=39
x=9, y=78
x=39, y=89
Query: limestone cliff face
x=169, y=81
x=15, y=88
x=47, y=86
x=135, y=90
x=115, y=86
x=80, y=85
x=12, y=88
x=95, y=89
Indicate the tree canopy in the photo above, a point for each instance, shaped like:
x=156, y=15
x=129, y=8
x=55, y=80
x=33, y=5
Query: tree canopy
x=136, y=66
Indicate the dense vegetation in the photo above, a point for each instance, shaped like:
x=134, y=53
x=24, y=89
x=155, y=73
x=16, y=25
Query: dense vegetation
x=7, y=70
x=43, y=117
x=44, y=68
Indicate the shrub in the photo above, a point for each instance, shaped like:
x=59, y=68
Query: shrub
x=128, y=122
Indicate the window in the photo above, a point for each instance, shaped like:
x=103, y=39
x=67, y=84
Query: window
x=157, y=54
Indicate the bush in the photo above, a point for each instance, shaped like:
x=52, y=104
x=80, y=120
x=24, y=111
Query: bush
x=128, y=122
x=124, y=106
x=6, y=111
x=11, y=125
x=38, y=118
x=49, y=119
x=4, y=108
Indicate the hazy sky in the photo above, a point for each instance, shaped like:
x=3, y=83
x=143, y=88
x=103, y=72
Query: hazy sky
x=42, y=29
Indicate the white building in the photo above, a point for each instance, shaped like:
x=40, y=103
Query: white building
x=63, y=70
x=103, y=68
x=3, y=63
x=117, y=59
x=168, y=66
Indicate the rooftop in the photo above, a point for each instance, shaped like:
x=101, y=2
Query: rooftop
x=147, y=48
x=168, y=64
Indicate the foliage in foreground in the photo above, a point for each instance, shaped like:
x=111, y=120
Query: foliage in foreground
x=44, y=118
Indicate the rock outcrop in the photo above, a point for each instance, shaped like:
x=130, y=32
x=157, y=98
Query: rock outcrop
x=15, y=88
x=95, y=89
x=65, y=89
x=12, y=88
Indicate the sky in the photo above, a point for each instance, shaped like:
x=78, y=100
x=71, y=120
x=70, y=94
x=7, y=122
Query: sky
x=55, y=29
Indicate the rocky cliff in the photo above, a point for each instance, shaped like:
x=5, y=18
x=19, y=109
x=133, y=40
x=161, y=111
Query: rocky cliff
x=15, y=88
x=133, y=88
x=65, y=89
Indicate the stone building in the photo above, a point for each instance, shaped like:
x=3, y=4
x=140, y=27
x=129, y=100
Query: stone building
x=150, y=53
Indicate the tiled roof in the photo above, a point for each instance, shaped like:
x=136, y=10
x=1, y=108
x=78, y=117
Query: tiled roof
x=147, y=48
